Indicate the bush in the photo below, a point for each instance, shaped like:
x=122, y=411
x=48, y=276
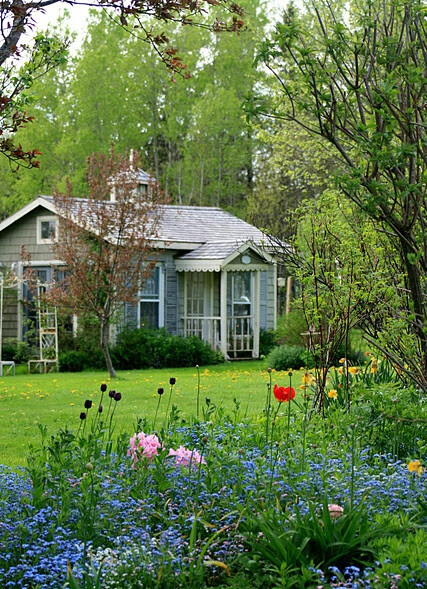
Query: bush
x=291, y=327
x=285, y=357
x=74, y=361
x=140, y=348
x=267, y=341
x=15, y=350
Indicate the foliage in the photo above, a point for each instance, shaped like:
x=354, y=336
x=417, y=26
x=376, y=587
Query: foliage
x=352, y=75
x=140, y=348
x=113, y=87
x=291, y=327
x=293, y=166
x=16, y=350
x=75, y=361
x=286, y=357
x=17, y=20
x=315, y=538
x=333, y=253
x=267, y=341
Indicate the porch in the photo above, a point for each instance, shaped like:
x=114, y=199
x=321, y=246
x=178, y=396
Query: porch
x=240, y=341
x=222, y=296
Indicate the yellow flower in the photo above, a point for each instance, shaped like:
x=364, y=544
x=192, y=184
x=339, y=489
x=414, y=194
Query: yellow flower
x=374, y=366
x=306, y=378
x=342, y=360
x=332, y=394
x=353, y=370
x=415, y=466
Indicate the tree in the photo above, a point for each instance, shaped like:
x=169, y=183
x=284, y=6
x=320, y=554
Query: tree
x=17, y=18
x=340, y=265
x=293, y=166
x=106, y=246
x=358, y=72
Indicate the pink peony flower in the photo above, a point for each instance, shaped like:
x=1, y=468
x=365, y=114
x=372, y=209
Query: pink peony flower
x=185, y=457
x=143, y=446
x=335, y=511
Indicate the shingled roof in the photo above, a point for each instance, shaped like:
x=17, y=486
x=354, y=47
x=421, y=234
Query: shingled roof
x=202, y=233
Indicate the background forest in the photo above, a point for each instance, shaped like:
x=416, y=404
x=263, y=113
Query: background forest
x=192, y=133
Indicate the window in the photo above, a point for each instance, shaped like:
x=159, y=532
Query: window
x=151, y=302
x=46, y=229
x=242, y=296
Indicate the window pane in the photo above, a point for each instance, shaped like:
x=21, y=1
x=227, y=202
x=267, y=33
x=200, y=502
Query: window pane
x=149, y=314
x=242, y=287
x=150, y=288
x=47, y=229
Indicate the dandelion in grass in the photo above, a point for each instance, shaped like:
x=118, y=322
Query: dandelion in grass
x=416, y=466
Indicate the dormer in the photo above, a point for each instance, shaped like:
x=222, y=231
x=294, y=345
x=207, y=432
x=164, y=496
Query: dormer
x=142, y=181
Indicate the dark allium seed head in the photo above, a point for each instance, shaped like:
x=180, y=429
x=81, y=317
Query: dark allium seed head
x=82, y=415
x=100, y=409
x=172, y=380
x=88, y=404
x=117, y=396
x=160, y=391
x=111, y=394
x=103, y=387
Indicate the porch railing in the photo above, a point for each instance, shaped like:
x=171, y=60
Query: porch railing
x=239, y=332
x=205, y=328
x=240, y=337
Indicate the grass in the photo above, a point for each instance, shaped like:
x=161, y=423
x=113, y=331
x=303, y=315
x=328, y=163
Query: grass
x=56, y=399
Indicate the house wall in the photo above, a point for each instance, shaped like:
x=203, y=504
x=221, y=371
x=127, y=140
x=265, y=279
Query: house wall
x=12, y=239
x=170, y=284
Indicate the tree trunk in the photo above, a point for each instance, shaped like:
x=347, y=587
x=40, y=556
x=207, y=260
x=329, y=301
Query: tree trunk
x=104, y=345
x=416, y=294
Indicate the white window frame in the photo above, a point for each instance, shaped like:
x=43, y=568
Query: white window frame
x=41, y=220
x=160, y=299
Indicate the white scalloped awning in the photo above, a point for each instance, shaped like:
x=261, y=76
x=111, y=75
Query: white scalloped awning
x=215, y=256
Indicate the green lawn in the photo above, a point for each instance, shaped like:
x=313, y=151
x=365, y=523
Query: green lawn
x=56, y=399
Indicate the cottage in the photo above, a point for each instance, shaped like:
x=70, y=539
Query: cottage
x=214, y=279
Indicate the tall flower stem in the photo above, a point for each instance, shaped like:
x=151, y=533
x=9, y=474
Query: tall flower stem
x=160, y=392
x=171, y=382
x=268, y=408
x=198, y=391
x=289, y=414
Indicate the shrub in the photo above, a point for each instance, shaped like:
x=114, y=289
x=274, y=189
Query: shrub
x=15, y=350
x=267, y=341
x=140, y=348
x=291, y=327
x=74, y=361
x=285, y=357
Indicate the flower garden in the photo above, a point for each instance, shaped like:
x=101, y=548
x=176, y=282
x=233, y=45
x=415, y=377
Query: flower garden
x=286, y=498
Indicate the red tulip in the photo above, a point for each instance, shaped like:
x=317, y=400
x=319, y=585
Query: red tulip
x=283, y=394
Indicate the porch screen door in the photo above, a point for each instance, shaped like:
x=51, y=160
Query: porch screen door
x=195, y=303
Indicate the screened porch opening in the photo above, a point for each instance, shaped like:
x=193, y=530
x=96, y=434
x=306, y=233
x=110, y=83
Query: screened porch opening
x=205, y=317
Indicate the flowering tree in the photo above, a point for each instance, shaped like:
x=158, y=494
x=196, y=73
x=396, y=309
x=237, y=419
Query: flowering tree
x=21, y=63
x=106, y=245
